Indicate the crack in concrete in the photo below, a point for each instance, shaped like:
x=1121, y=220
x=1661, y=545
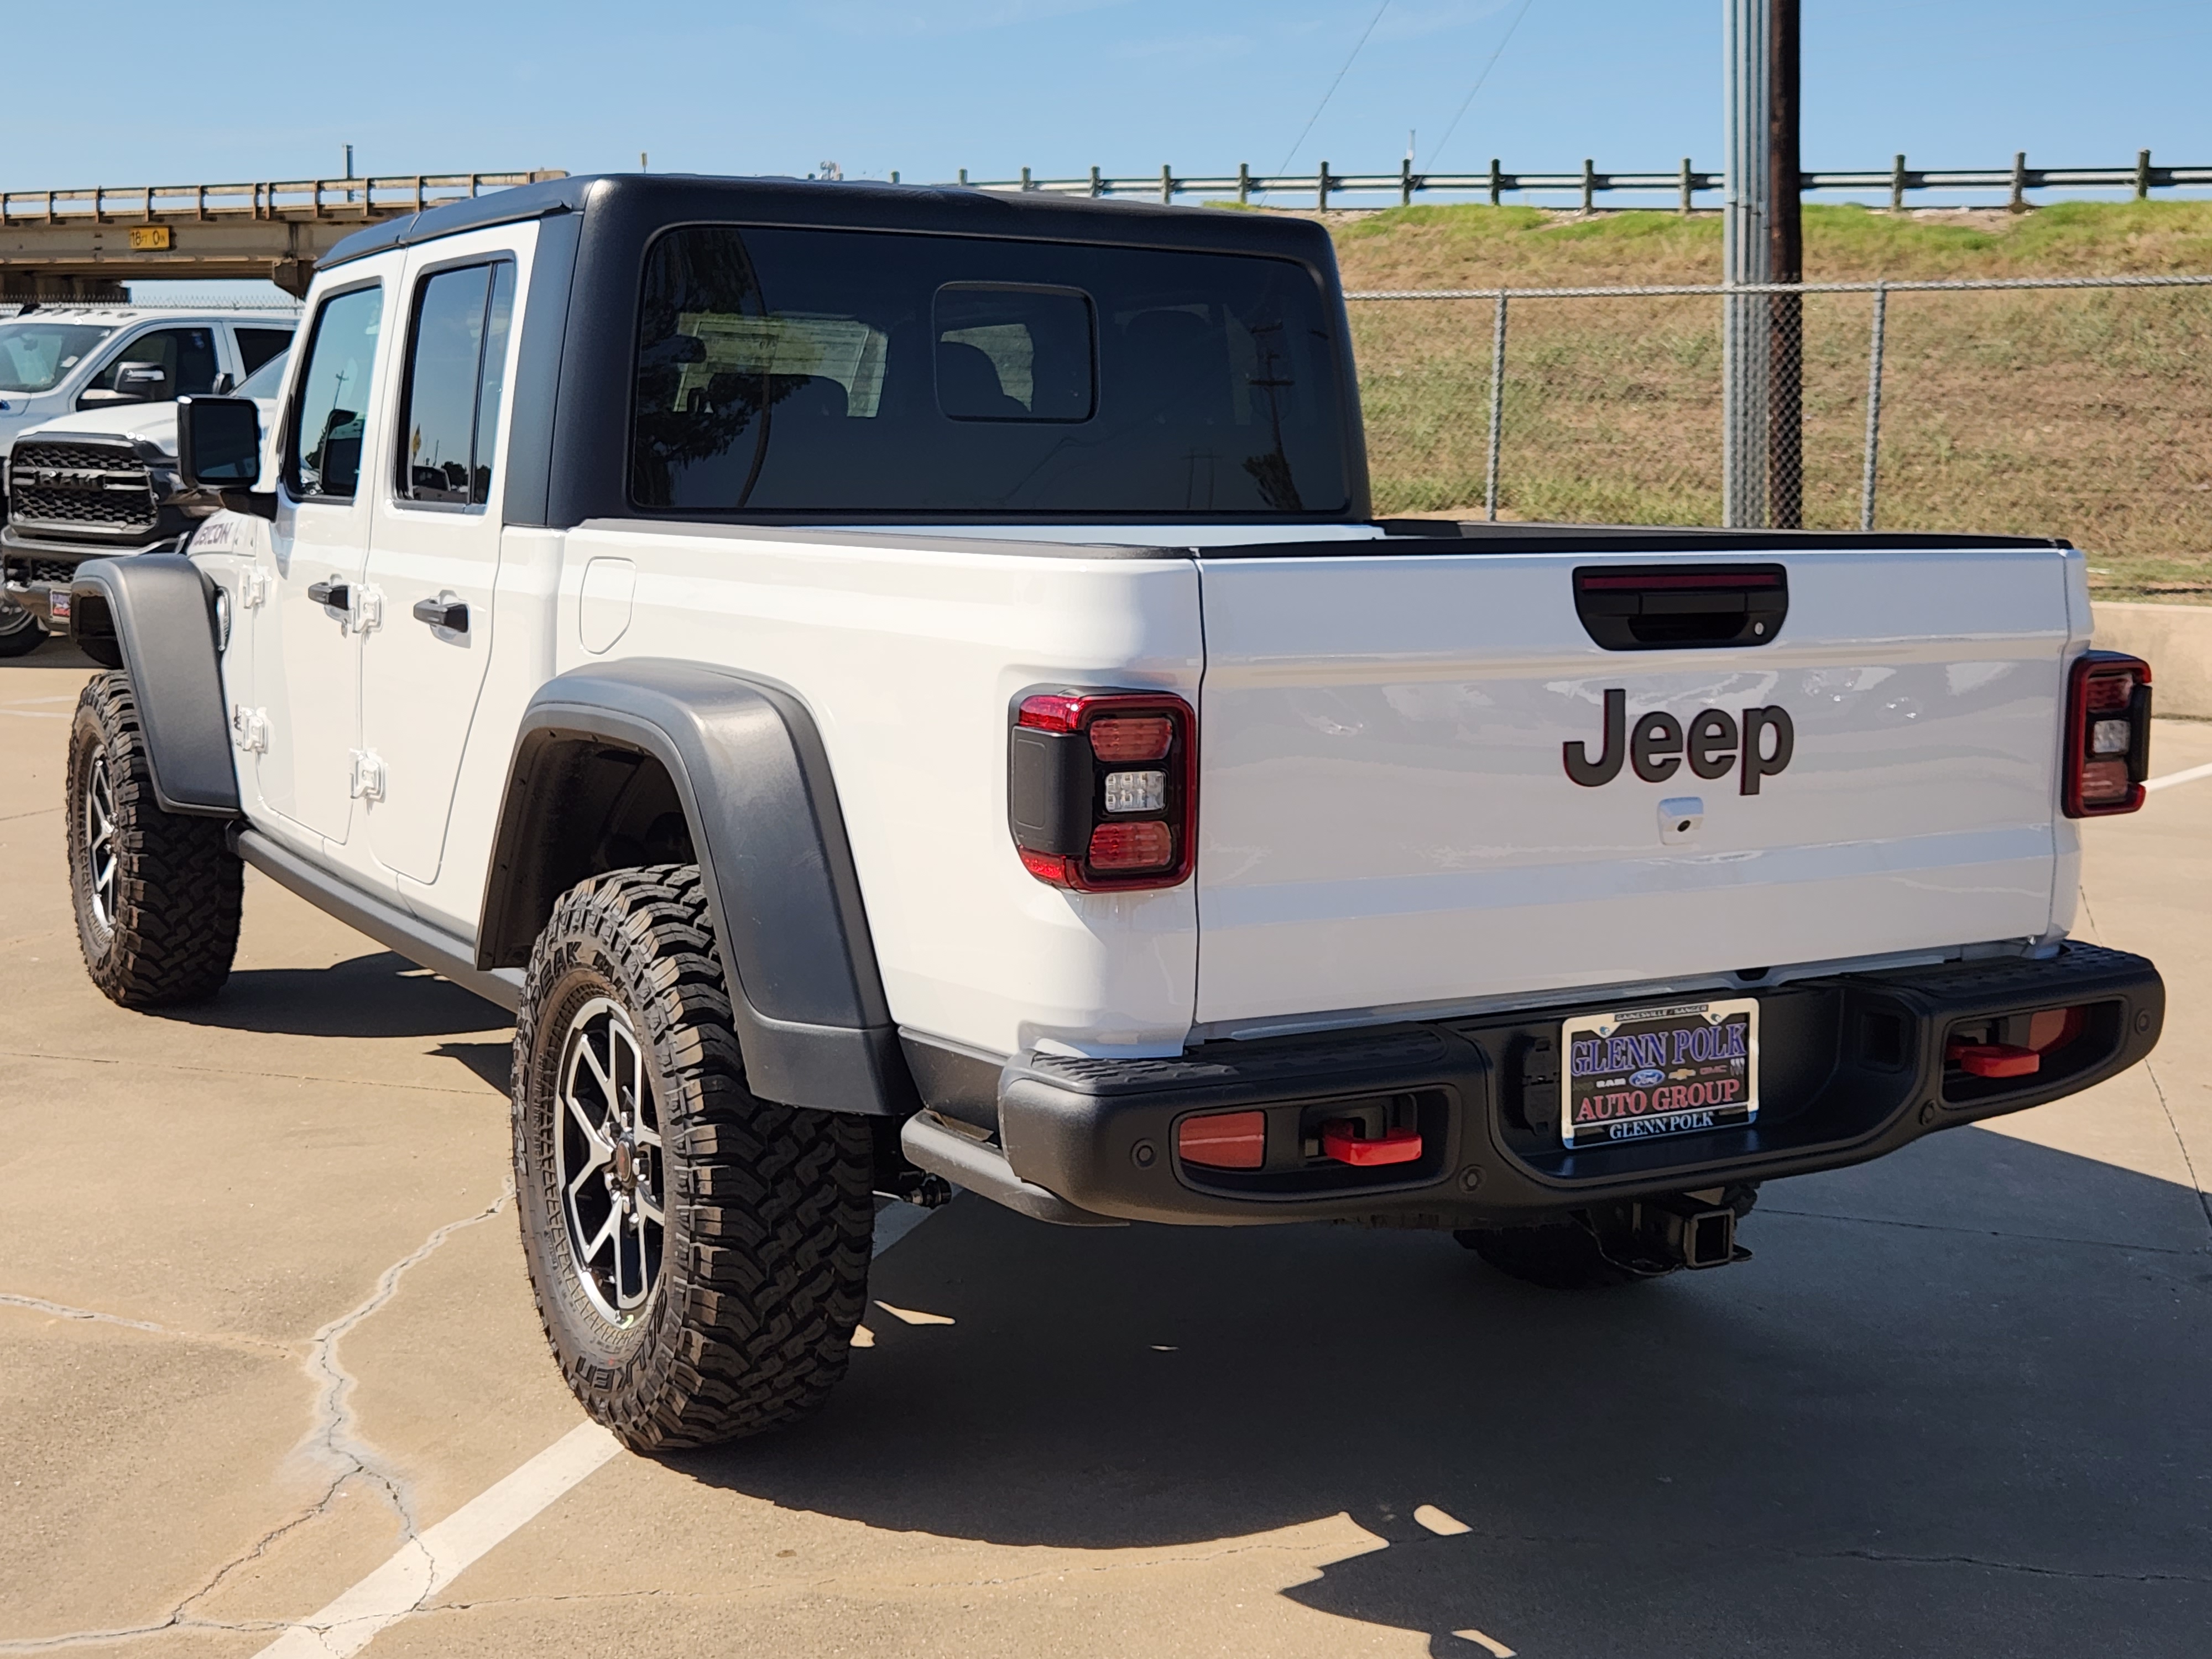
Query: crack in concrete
x=63, y=1311
x=334, y=1438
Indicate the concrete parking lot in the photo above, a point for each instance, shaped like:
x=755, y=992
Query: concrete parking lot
x=263, y=1318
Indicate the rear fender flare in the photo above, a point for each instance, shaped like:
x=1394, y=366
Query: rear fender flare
x=154, y=617
x=752, y=777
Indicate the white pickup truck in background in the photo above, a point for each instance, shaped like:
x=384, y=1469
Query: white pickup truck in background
x=93, y=388
x=898, y=686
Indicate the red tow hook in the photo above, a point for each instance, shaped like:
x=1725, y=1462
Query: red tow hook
x=1995, y=1058
x=1340, y=1139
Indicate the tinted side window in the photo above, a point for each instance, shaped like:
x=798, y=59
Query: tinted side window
x=256, y=346
x=331, y=413
x=456, y=364
x=830, y=372
x=185, y=357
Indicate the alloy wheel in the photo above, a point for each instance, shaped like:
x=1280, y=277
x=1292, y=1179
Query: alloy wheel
x=609, y=1159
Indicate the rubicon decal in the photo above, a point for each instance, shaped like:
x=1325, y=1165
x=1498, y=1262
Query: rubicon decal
x=1755, y=745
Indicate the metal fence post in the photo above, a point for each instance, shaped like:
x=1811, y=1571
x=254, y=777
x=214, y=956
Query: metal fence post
x=1167, y=185
x=1496, y=184
x=963, y=175
x=1874, y=408
x=1686, y=186
x=1589, y=185
x=1243, y=183
x=1025, y=179
x=1896, y=186
x=1405, y=182
x=2143, y=175
x=1321, y=188
x=1095, y=188
x=2019, y=202
x=1497, y=408
x=1747, y=335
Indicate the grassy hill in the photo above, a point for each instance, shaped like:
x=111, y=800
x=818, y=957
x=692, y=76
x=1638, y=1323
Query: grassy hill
x=2083, y=414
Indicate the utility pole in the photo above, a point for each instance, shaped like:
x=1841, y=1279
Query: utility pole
x=1748, y=247
x=1785, y=440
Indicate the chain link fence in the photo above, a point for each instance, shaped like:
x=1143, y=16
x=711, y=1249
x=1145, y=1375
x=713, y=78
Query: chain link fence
x=2075, y=407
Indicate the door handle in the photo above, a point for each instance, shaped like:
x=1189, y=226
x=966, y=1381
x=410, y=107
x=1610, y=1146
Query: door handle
x=442, y=612
x=336, y=594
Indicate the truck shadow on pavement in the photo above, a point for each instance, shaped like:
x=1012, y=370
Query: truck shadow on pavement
x=1956, y=1406
x=380, y=995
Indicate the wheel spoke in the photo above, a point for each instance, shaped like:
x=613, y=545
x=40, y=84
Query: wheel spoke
x=602, y=1144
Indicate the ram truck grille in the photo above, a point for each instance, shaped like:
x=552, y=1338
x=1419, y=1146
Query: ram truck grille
x=63, y=487
x=54, y=573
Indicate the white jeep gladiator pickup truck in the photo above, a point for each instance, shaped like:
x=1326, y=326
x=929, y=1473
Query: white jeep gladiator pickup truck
x=903, y=686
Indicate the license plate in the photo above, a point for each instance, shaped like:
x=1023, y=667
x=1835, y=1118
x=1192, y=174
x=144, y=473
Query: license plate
x=58, y=604
x=1670, y=1070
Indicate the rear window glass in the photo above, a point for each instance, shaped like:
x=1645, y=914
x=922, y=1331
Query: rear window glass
x=822, y=371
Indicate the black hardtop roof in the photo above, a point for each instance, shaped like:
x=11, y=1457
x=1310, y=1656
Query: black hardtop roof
x=860, y=204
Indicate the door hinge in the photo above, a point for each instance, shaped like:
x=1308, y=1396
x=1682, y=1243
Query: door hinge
x=253, y=587
x=249, y=729
x=368, y=608
x=368, y=775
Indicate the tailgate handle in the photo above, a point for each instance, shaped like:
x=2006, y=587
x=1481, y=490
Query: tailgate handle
x=1677, y=607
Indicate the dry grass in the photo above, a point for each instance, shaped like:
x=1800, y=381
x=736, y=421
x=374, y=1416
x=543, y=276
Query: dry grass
x=2083, y=414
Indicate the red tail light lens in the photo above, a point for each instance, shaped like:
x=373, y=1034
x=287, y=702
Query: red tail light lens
x=1102, y=788
x=1143, y=737
x=1148, y=846
x=2107, y=754
x=1224, y=1140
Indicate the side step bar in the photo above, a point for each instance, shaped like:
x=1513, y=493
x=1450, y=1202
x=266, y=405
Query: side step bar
x=982, y=1168
x=386, y=923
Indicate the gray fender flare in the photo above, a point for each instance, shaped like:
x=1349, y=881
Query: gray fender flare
x=754, y=782
x=154, y=616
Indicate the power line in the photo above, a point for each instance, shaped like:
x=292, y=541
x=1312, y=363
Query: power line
x=1332, y=85
x=1467, y=102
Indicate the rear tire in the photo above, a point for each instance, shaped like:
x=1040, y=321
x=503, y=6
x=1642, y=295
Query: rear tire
x=157, y=894
x=700, y=1256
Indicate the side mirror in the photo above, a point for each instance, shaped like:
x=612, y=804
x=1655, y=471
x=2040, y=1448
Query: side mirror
x=224, y=384
x=219, y=448
x=142, y=382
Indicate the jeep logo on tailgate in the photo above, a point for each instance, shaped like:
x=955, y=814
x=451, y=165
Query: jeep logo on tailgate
x=1758, y=745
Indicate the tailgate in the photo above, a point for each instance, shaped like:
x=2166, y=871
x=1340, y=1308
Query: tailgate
x=1387, y=819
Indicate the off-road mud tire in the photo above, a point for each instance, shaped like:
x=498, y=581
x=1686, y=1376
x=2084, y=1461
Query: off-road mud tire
x=162, y=929
x=21, y=631
x=769, y=1209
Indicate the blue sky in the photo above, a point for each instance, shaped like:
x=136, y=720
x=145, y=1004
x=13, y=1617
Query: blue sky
x=259, y=91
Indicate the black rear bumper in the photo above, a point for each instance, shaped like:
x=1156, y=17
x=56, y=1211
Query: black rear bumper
x=1853, y=1066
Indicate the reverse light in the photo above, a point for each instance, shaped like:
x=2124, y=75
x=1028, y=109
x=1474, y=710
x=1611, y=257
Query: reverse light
x=1086, y=813
x=2107, y=754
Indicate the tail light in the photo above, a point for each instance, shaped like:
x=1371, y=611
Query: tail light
x=1102, y=788
x=2107, y=734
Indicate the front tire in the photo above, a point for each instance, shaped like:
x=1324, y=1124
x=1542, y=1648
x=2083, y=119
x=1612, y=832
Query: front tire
x=157, y=894
x=21, y=631
x=700, y=1256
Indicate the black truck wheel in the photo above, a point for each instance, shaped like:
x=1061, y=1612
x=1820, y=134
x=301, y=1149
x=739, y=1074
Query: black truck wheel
x=157, y=894
x=21, y=633
x=700, y=1256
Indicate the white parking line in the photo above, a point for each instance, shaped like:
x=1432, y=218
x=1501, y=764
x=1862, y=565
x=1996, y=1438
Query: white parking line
x=2173, y=778
x=426, y=1564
